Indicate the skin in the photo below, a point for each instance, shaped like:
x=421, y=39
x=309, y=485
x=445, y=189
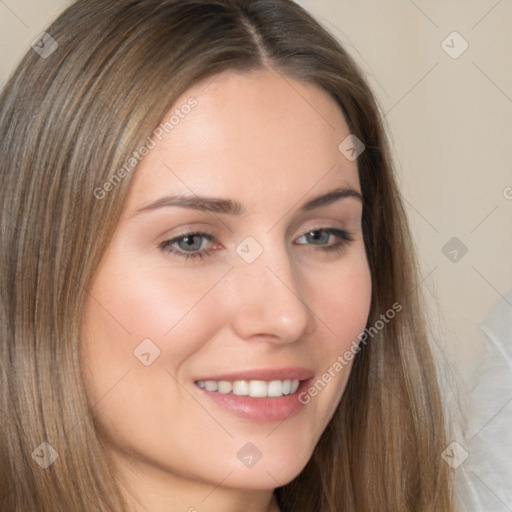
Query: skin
x=271, y=144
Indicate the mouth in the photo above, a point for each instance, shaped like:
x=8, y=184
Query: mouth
x=252, y=388
x=260, y=395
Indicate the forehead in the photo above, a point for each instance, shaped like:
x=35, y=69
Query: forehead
x=247, y=134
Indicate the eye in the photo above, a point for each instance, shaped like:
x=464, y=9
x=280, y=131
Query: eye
x=188, y=245
x=191, y=245
x=321, y=237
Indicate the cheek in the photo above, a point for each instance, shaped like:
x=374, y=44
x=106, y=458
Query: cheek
x=126, y=306
x=344, y=301
x=131, y=304
x=342, y=307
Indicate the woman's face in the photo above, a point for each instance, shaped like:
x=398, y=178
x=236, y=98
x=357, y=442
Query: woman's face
x=229, y=264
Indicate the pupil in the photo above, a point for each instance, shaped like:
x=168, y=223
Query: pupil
x=319, y=235
x=189, y=241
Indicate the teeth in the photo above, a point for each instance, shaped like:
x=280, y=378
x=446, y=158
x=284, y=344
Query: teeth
x=254, y=388
x=241, y=388
x=224, y=386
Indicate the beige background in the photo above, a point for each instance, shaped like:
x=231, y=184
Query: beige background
x=450, y=124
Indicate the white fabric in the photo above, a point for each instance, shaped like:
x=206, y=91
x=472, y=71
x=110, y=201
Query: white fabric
x=485, y=478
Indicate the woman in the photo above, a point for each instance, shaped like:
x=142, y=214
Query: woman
x=209, y=292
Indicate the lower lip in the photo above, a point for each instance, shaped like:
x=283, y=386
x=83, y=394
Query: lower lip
x=262, y=409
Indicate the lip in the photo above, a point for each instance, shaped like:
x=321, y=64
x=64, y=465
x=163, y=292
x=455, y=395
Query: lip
x=260, y=409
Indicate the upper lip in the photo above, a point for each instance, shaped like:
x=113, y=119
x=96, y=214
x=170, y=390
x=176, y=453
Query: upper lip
x=266, y=374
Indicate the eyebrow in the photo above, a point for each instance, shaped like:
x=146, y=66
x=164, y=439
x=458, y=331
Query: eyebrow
x=230, y=207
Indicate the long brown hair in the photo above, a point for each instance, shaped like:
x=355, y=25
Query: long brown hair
x=69, y=120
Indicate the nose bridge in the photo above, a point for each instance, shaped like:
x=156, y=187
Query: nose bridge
x=270, y=294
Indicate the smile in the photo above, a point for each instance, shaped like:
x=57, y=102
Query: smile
x=252, y=388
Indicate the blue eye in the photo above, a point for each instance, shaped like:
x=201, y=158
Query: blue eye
x=190, y=245
x=321, y=237
x=187, y=245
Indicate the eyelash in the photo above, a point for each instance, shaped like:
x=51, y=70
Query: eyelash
x=344, y=236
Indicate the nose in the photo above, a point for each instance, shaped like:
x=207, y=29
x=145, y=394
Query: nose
x=269, y=299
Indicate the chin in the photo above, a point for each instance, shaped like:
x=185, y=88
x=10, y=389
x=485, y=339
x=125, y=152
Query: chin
x=267, y=473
